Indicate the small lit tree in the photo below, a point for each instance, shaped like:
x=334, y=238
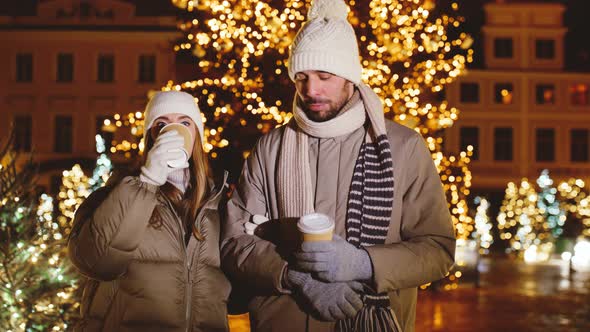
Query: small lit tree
x=575, y=201
x=549, y=206
x=483, y=225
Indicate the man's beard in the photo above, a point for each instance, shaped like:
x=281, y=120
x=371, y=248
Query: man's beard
x=322, y=116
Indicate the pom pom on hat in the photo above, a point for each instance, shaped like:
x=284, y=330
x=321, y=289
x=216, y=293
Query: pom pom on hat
x=330, y=9
x=326, y=42
x=168, y=102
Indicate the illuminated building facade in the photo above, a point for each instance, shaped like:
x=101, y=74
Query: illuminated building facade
x=523, y=113
x=72, y=64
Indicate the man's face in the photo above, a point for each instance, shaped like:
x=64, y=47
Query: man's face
x=322, y=94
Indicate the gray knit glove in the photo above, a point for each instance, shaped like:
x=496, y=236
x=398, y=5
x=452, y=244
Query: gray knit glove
x=331, y=301
x=335, y=260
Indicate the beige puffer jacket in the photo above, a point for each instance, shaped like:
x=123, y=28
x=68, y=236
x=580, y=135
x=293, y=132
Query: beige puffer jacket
x=141, y=277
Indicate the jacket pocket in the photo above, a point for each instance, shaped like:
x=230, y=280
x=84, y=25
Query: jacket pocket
x=96, y=303
x=210, y=299
x=90, y=287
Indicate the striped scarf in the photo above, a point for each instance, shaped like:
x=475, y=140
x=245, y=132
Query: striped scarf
x=370, y=203
x=370, y=200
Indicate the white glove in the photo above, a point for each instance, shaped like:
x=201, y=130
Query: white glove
x=257, y=219
x=167, y=147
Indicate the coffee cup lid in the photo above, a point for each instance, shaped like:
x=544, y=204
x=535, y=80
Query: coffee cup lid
x=315, y=223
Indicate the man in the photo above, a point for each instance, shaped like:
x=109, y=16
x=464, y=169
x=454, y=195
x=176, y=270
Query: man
x=339, y=157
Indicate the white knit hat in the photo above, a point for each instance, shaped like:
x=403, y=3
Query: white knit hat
x=168, y=102
x=326, y=42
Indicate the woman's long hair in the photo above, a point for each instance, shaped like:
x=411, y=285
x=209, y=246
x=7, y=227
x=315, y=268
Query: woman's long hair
x=187, y=206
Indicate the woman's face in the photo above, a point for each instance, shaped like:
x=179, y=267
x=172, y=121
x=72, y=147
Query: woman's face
x=163, y=120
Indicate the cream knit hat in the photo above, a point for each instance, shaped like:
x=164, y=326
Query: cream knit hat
x=326, y=42
x=167, y=102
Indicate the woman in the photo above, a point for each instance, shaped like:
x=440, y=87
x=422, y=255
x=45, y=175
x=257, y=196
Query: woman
x=149, y=243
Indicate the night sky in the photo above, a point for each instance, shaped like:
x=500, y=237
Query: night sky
x=576, y=20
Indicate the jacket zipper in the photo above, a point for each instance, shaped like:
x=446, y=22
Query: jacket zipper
x=189, y=261
x=189, y=286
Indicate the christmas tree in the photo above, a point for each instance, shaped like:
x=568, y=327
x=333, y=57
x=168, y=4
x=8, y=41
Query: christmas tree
x=574, y=200
x=520, y=221
x=549, y=206
x=483, y=226
x=36, y=280
x=236, y=53
x=38, y=285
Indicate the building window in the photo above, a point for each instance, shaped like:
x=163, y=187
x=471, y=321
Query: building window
x=147, y=68
x=470, y=136
x=65, y=67
x=63, y=134
x=545, y=140
x=503, y=144
x=579, y=94
x=503, y=48
x=545, y=94
x=24, y=67
x=23, y=130
x=579, y=145
x=503, y=93
x=103, y=129
x=545, y=49
x=106, y=68
x=469, y=92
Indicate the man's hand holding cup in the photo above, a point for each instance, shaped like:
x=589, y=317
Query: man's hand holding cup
x=330, y=257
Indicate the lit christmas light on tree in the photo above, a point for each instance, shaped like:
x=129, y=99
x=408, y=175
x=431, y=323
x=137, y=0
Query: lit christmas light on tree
x=520, y=221
x=483, y=225
x=524, y=222
x=76, y=186
x=241, y=51
x=549, y=205
x=575, y=201
x=410, y=50
x=38, y=285
x=131, y=145
x=36, y=279
x=456, y=179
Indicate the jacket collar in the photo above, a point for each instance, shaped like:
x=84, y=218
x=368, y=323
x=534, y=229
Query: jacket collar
x=216, y=192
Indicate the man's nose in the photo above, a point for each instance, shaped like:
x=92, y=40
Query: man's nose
x=312, y=87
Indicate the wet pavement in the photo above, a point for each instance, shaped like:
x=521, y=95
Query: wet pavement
x=512, y=296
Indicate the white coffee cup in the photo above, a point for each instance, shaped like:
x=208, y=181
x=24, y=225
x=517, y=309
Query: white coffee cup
x=316, y=227
x=188, y=140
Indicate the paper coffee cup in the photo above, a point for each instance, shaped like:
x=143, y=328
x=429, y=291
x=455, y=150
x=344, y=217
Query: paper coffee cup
x=315, y=227
x=188, y=139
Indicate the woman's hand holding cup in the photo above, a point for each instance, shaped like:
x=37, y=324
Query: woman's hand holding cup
x=183, y=131
x=167, y=147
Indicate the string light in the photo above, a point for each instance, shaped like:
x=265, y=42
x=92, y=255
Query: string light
x=531, y=218
x=131, y=145
x=241, y=51
x=43, y=292
x=519, y=220
x=483, y=225
x=575, y=201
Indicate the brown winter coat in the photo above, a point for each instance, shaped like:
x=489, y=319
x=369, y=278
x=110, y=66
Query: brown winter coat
x=419, y=247
x=142, y=277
